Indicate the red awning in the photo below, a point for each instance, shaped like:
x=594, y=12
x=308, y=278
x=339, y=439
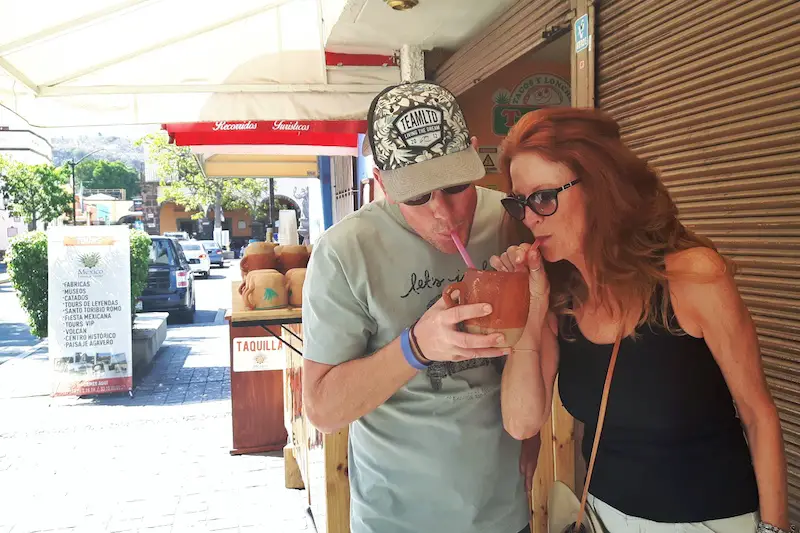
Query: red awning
x=333, y=133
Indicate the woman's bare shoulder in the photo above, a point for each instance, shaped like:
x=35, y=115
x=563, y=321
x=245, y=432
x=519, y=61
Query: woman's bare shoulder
x=698, y=265
x=701, y=286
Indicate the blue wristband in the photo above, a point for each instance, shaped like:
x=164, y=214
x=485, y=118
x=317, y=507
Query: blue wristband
x=408, y=353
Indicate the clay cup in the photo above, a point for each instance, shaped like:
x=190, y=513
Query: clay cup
x=292, y=256
x=294, y=285
x=265, y=289
x=506, y=292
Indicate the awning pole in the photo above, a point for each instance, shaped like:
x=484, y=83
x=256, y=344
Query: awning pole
x=271, y=207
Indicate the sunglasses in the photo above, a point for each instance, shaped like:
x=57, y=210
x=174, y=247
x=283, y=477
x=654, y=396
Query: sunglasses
x=423, y=199
x=543, y=203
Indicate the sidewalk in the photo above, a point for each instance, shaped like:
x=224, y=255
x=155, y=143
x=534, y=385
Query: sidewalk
x=157, y=462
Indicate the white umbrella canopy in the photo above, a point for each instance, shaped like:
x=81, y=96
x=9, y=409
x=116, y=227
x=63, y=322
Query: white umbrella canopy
x=106, y=62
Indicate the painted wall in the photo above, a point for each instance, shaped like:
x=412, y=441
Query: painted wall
x=495, y=104
x=110, y=211
x=289, y=187
x=171, y=213
x=326, y=191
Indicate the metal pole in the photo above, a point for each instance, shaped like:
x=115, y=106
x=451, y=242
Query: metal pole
x=74, y=205
x=72, y=165
x=272, y=205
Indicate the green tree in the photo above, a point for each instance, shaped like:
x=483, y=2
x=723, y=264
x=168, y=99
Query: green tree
x=183, y=182
x=102, y=174
x=37, y=193
x=251, y=195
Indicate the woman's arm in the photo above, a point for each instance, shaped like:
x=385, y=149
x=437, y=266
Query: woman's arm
x=706, y=301
x=529, y=374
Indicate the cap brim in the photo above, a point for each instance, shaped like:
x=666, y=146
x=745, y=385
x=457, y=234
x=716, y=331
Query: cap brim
x=438, y=173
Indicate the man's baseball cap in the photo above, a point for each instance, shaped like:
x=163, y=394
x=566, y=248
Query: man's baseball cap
x=419, y=140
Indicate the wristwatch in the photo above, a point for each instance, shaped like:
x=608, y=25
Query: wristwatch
x=763, y=527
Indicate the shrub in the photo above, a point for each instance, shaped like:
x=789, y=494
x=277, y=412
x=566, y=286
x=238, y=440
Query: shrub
x=140, y=257
x=27, y=266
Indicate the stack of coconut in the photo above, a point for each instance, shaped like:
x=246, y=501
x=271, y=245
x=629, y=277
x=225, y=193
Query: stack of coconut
x=273, y=275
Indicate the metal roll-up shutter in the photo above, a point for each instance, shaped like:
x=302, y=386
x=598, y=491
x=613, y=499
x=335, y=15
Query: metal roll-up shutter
x=345, y=193
x=709, y=94
x=515, y=33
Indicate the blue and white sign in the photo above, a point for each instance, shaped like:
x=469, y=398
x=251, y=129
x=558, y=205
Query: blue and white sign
x=581, y=33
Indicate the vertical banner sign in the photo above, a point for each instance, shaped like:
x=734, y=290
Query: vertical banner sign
x=89, y=309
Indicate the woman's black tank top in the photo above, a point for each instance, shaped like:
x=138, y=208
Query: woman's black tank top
x=672, y=447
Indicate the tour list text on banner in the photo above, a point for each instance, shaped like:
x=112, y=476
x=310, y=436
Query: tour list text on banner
x=89, y=309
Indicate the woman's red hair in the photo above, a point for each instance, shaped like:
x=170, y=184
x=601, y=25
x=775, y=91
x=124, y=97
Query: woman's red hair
x=631, y=220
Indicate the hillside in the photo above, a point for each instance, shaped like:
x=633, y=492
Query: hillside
x=114, y=149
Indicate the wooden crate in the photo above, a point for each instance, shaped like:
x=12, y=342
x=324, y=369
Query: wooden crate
x=321, y=459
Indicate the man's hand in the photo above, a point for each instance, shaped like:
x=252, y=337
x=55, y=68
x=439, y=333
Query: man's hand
x=440, y=340
x=528, y=459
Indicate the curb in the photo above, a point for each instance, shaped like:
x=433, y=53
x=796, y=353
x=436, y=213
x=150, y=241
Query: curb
x=33, y=349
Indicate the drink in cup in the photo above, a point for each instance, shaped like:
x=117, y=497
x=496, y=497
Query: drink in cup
x=506, y=292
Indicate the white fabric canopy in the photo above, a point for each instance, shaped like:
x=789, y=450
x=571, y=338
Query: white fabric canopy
x=105, y=62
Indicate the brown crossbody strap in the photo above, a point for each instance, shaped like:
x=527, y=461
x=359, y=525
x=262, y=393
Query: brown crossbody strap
x=600, y=419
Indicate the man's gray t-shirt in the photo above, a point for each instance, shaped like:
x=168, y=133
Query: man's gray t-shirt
x=435, y=457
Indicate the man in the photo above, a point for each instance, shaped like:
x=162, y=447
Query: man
x=427, y=451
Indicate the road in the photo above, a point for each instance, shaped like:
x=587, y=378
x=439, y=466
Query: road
x=15, y=335
x=213, y=295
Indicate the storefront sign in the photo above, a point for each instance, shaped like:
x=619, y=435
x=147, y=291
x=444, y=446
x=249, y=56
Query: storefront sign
x=89, y=309
x=234, y=126
x=334, y=133
x=251, y=354
x=581, y=33
x=534, y=92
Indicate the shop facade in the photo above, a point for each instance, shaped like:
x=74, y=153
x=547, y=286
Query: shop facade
x=708, y=94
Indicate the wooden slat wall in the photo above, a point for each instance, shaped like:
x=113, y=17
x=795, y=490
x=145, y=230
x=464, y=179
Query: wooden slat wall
x=709, y=94
x=515, y=33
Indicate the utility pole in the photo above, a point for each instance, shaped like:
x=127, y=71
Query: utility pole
x=72, y=165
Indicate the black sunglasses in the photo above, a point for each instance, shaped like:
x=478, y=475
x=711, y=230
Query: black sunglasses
x=423, y=199
x=543, y=203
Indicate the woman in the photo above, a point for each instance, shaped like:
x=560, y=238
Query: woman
x=692, y=439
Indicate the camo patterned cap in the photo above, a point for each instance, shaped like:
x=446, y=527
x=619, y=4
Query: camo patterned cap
x=420, y=141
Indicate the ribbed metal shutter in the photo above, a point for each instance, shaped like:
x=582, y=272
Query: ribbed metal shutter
x=516, y=32
x=345, y=193
x=709, y=94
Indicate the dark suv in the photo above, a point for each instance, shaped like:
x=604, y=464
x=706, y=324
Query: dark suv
x=170, y=284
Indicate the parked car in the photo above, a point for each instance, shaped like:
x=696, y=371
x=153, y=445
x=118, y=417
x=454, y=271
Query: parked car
x=197, y=256
x=170, y=284
x=214, y=252
x=179, y=235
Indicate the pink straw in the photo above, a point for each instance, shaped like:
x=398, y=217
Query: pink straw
x=461, y=249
